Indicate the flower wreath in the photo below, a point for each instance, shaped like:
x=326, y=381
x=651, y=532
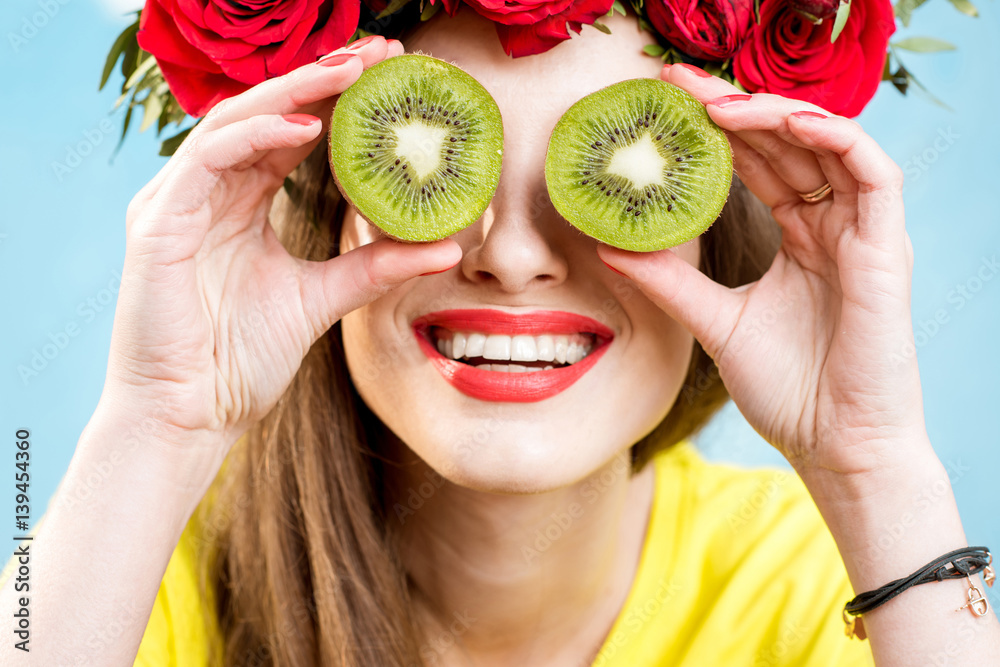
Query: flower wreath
x=181, y=57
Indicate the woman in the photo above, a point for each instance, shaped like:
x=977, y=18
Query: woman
x=376, y=515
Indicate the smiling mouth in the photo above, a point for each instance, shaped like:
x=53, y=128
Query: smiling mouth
x=512, y=354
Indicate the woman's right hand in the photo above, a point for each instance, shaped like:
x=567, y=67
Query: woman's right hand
x=214, y=316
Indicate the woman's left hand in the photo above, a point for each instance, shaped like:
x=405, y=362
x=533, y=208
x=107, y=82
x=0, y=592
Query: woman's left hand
x=818, y=354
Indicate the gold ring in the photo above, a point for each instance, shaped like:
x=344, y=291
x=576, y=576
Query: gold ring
x=816, y=195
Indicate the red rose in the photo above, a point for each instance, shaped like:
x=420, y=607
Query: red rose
x=709, y=29
x=788, y=55
x=526, y=28
x=209, y=50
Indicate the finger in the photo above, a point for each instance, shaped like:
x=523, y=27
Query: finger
x=292, y=92
x=879, y=180
x=759, y=120
x=758, y=175
x=707, y=309
x=186, y=190
x=337, y=286
x=283, y=162
x=705, y=87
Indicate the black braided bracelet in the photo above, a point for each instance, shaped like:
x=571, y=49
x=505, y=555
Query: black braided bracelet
x=955, y=564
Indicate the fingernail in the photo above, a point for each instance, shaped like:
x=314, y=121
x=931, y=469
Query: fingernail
x=729, y=100
x=431, y=273
x=300, y=118
x=808, y=115
x=697, y=71
x=335, y=59
x=613, y=269
x=354, y=46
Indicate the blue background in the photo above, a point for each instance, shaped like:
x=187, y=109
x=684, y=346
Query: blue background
x=62, y=238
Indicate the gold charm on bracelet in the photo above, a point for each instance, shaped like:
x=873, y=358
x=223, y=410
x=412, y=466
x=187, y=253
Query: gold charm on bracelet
x=977, y=604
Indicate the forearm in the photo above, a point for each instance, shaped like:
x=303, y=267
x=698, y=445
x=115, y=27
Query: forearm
x=101, y=550
x=888, y=528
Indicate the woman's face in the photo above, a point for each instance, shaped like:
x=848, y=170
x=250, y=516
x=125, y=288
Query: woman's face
x=520, y=429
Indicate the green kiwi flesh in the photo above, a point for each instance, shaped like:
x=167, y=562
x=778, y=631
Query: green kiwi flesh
x=639, y=165
x=416, y=146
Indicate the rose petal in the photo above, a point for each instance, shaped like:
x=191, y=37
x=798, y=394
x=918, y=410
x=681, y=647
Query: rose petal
x=198, y=91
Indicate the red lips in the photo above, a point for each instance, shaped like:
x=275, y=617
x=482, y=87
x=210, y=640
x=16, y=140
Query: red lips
x=510, y=387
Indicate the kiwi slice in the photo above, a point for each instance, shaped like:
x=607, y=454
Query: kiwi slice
x=639, y=165
x=416, y=146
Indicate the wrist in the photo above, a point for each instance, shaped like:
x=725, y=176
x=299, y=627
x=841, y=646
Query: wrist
x=182, y=461
x=887, y=525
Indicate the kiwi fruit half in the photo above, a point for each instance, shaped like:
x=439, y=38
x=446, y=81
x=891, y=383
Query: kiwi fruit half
x=639, y=165
x=416, y=146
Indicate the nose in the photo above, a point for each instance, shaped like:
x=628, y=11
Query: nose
x=519, y=243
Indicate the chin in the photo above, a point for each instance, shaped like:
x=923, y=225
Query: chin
x=500, y=455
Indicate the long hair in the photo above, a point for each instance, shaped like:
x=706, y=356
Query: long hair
x=298, y=564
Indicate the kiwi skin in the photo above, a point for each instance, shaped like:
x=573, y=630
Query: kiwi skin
x=482, y=154
x=694, y=156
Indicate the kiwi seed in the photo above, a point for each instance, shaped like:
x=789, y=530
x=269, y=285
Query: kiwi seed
x=391, y=158
x=664, y=178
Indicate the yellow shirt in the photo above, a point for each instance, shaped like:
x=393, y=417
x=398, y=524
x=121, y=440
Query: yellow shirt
x=738, y=570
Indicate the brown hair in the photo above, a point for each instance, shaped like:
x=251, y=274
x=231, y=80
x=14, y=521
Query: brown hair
x=298, y=554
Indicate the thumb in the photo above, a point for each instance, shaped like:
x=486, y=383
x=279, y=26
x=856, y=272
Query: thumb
x=707, y=309
x=335, y=287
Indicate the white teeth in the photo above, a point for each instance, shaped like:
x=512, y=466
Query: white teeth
x=575, y=353
x=497, y=347
x=475, y=344
x=458, y=343
x=546, y=348
x=523, y=349
x=562, y=347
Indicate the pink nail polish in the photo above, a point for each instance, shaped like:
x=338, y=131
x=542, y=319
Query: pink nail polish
x=335, y=59
x=697, y=71
x=354, y=46
x=729, y=100
x=808, y=115
x=300, y=118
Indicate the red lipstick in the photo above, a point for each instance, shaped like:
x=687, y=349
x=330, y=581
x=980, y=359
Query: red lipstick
x=489, y=385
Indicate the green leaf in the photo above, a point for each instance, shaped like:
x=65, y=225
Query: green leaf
x=429, y=11
x=393, y=7
x=139, y=73
x=756, y=12
x=126, y=38
x=654, y=50
x=169, y=146
x=152, y=107
x=121, y=140
x=924, y=44
x=843, y=12
x=965, y=7
x=904, y=10
x=618, y=7
x=603, y=28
